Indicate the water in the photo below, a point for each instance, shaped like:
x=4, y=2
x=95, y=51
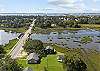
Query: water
x=70, y=39
x=6, y=36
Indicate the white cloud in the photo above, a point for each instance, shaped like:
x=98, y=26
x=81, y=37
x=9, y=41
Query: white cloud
x=60, y=2
x=95, y=10
x=73, y=5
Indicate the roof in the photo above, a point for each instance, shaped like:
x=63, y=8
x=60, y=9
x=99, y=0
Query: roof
x=60, y=57
x=49, y=47
x=28, y=69
x=33, y=56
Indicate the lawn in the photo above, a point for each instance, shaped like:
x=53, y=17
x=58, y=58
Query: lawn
x=50, y=62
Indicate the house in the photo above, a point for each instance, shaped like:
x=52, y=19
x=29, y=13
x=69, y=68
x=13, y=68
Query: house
x=21, y=35
x=28, y=69
x=50, y=50
x=53, y=25
x=33, y=58
x=60, y=58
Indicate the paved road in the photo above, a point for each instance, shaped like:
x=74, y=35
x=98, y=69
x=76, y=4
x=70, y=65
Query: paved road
x=16, y=50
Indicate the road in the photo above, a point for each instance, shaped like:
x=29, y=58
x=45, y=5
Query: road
x=16, y=50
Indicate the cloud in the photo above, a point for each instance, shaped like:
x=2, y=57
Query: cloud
x=95, y=10
x=63, y=2
x=73, y=5
x=59, y=2
x=80, y=6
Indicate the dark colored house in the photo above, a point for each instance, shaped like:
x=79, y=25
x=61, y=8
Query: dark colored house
x=33, y=58
x=50, y=50
x=21, y=35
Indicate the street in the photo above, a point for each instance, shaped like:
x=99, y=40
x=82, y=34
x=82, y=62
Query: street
x=16, y=50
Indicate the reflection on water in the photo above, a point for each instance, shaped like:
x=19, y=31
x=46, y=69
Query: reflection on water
x=6, y=36
x=70, y=39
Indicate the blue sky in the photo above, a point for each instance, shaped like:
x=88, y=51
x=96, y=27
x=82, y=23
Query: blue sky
x=49, y=6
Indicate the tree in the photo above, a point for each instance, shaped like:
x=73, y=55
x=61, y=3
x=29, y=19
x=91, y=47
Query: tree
x=48, y=23
x=34, y=46
x=2, y=52
x=73, y=60
x=75, y=65
x=1, y=49
x=9, y=64
x=80, y=65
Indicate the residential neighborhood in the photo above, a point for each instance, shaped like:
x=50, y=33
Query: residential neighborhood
x=49, y=35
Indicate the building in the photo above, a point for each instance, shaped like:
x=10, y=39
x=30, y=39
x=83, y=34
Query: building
x=28, y=69
x=53, y=25
x=21, y=35
x=60, y=58
x=50, y=50
x=33, y=58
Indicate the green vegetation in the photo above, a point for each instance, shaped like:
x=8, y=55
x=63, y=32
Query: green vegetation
x=59, y=29
x=10, y=45
x=8, y=64
x=76, y=59
x=48, y=21
x=86, y=39
x=92, y=26
x=15, y=23
x=34, y=46
x=70, y=21
x=75, y=65
x=90, y=57
x=19, y=30
x=49, y=63
x=2, y=51
x=69, y=24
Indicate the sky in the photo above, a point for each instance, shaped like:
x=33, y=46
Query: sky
x=49, y=6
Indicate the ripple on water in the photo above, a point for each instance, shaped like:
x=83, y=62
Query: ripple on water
x=70, y=39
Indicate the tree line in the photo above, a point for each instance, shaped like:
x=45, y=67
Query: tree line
x=65, y=21
x=15, y=21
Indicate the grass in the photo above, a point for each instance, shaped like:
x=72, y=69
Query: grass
x=60, y=29
x=50, y=62
x=90, y=56
x=45, y=31
x=92, y=59
x=19, y=30
x=95, y=58
x=86, y=39
x=10, y=45
x=92, y=26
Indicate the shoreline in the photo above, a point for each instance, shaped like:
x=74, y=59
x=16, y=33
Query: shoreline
x=17, y=30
